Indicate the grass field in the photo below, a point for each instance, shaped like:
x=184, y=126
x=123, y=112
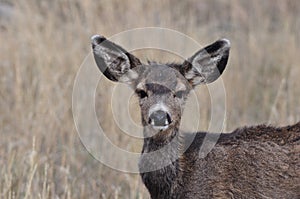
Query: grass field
x=43, y=44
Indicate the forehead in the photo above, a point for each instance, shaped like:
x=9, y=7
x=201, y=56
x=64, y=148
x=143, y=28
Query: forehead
x=162, y=75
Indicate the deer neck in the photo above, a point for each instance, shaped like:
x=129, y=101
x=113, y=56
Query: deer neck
x=159, y=161
x=154, y=140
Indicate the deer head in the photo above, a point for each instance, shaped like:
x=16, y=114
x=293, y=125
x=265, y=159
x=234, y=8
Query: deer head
x=162, y=88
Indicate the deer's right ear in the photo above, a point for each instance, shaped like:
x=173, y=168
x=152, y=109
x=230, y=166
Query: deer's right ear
x=113, y=61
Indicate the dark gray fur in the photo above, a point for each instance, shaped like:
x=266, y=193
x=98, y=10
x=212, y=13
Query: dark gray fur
x=251, y=162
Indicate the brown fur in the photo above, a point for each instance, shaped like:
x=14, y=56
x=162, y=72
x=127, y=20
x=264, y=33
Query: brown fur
x=251, y=162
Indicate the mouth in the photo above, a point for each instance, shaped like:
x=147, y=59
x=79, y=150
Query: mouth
x=160, y=128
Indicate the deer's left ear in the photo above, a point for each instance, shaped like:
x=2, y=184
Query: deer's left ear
x=114, y=61
x=206, y=65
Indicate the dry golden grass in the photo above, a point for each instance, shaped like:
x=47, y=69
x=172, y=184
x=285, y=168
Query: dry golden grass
x=44, y=43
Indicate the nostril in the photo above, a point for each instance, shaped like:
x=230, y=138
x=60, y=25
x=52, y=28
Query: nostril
x=169, y=119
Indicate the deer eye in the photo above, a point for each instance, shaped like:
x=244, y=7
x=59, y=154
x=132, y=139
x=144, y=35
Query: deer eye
x=179, y=94
x=141, y=93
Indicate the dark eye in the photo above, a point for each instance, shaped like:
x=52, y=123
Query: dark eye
x=179, y=94
x=141, y=93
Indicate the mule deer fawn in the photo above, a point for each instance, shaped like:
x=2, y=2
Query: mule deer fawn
x=251, y=162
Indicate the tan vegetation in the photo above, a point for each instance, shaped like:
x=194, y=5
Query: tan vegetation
x=44, y=42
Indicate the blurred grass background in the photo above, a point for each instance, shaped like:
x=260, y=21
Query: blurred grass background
x=43, y=44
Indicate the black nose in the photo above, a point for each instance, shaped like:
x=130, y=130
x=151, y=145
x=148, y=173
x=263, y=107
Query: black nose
x=159, y=118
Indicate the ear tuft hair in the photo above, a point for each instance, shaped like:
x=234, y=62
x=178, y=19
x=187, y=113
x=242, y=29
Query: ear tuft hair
x=97, y=39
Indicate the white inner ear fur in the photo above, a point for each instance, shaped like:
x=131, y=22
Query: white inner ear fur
x=180, y=86
x=129, y=76
x=198, y=80
x=110, y=57
x=132, y=74
x=205, y=63
x=195, y=77
x=118, y=68
x=140, y=86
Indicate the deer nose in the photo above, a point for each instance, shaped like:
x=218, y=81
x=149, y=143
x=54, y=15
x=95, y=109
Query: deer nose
x=159, y=118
